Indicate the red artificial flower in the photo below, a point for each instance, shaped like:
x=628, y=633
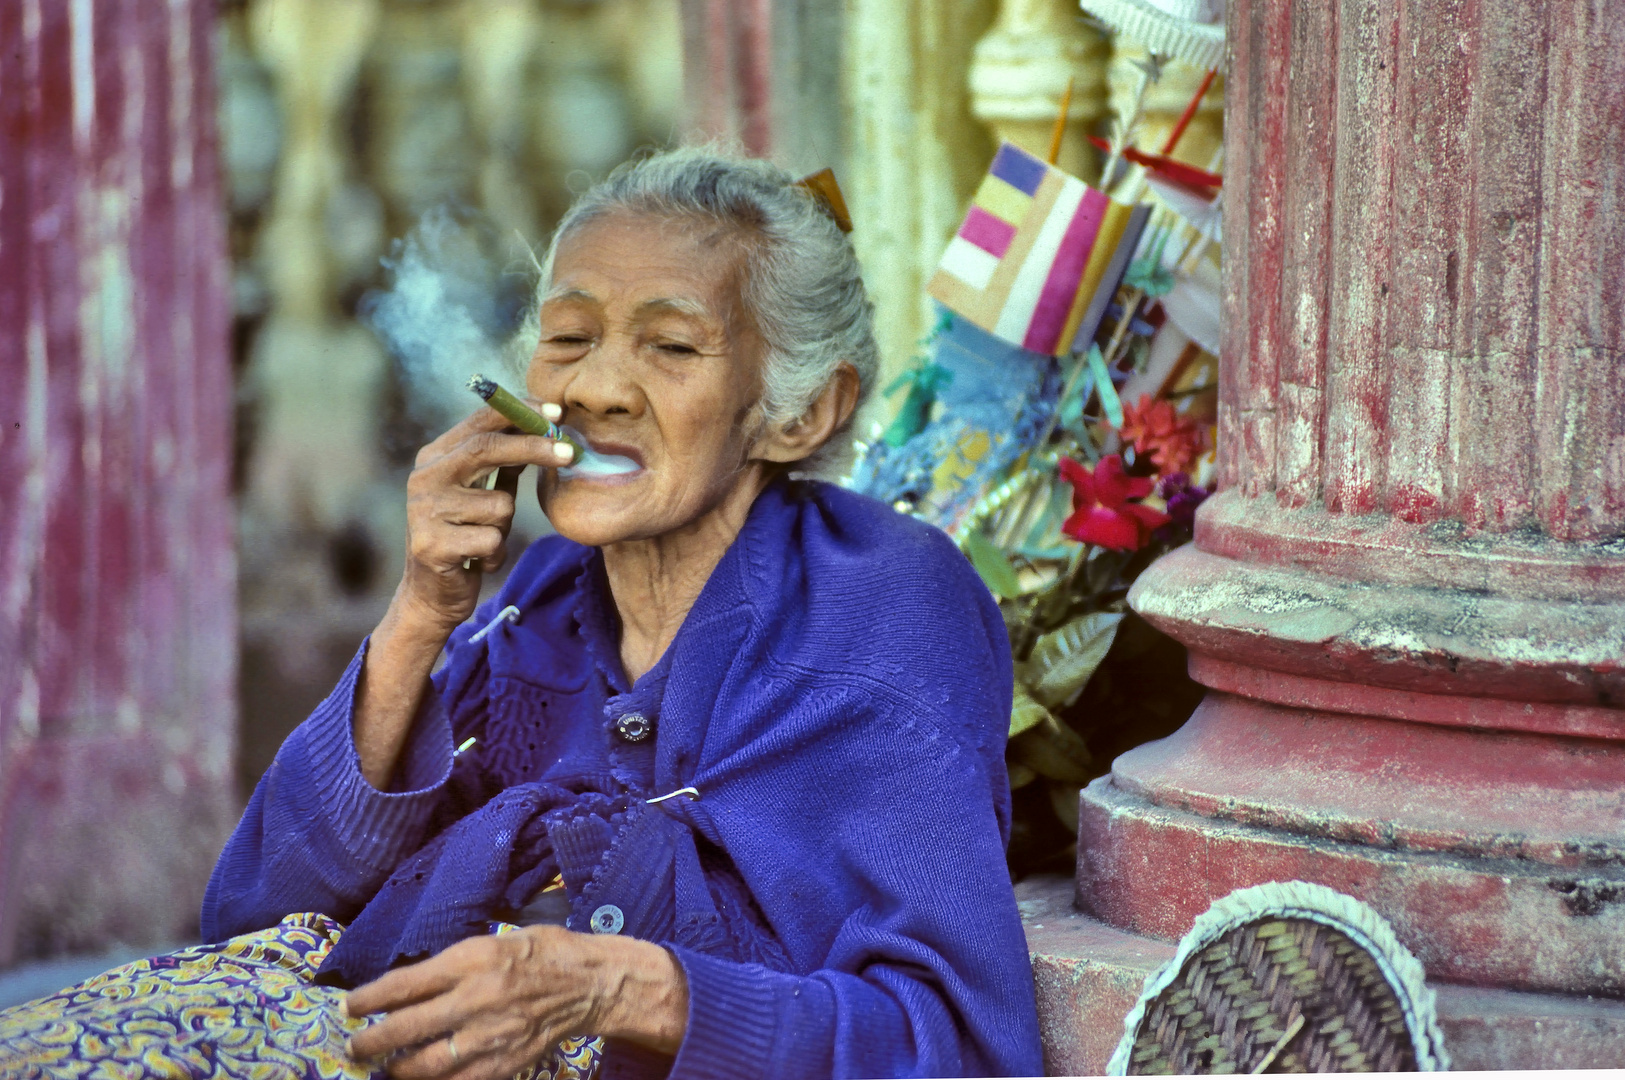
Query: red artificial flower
x=1154, y=429
x=1101, y=511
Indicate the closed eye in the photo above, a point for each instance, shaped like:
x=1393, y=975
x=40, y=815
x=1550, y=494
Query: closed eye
x=677, y=348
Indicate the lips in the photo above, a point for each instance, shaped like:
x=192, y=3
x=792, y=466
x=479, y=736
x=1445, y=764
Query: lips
x=606, y=461
x=609, y=449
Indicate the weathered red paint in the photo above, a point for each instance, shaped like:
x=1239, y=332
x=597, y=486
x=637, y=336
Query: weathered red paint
x=1442, y=266
x=1469, y=920
x=1463, y=840
x=1428, y=639
x=1391, y=784
x=1087, y=975
x=117, y=605
x=1363, y=699
x=728, y=54
x=1409, y=598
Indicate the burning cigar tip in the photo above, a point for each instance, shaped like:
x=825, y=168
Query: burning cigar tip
x=529, y=420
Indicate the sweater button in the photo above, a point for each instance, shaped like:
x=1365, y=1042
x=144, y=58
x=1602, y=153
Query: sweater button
x=607, y=920
x=634, y=727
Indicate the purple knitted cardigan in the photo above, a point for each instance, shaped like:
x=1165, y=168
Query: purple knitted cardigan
x=836, y=896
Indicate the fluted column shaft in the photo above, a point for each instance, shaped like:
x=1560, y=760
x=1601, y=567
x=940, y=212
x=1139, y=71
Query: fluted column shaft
x=1423, y=370
x=1408, y=600
x=1425, y=262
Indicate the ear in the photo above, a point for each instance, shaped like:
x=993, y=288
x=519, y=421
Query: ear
x=802, y=437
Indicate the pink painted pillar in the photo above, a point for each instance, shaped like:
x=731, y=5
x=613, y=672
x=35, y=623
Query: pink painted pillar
x=1408, y=601
x=766, y=76
x=728, y=68
x=117, y=595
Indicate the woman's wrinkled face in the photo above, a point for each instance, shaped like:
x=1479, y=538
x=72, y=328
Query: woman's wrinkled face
x=648, y=348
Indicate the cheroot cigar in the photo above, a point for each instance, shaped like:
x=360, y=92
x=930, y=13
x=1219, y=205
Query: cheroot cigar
x=523, y=416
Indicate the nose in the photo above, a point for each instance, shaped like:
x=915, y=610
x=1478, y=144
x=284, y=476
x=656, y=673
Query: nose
x=603, y=382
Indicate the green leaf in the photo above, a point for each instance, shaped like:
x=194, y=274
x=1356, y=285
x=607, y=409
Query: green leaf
x=1020, y=775
x=1140, y=349
x=1041, y=743
x=1109, y=402
x=1025, y=713
x=991, y=563
x=1045, y=536
x=1150, y=277
x=1063, y=798
x=1070, y=409
x=1063, y=660
x=1148, y=273
x=1053, y=750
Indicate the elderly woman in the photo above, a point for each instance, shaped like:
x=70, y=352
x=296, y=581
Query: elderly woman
x=725, y=798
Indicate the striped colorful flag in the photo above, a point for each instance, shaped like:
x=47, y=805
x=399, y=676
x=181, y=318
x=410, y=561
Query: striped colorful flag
x=1039, y=255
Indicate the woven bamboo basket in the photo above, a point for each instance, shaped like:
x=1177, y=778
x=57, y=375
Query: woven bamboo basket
x=1284, y=978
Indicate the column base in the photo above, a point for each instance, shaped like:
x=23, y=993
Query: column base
x=1089, y=975
x=1499, y=858
x=1564, y=659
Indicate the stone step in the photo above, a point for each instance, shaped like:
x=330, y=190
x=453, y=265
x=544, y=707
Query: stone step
x=1506, y=922
x=1389, y=783
x=1088, y=976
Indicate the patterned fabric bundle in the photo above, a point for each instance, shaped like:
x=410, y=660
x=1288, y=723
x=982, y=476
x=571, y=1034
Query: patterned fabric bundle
x=1039, y=255
x=995, y=397
x=248, y=1007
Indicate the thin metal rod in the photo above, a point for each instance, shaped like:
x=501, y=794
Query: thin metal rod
x=1059, y=133
x=1190, y=111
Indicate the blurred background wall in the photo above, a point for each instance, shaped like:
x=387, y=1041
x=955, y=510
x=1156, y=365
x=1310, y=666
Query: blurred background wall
x=117, y=606
x=340, y=123
x=343, y=122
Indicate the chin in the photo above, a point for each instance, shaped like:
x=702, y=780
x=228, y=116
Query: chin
x=595, y=511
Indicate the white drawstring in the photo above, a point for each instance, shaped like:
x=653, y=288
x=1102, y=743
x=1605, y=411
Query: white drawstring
x=508, y=614
x=691, y=792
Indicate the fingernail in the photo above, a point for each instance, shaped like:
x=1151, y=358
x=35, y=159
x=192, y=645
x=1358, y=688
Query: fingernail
x=552, y=412
x=344, y=1007
x=563, y=451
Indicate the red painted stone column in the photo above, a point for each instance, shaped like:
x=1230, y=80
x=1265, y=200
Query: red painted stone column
x=1408, y=601
x=117, y=575
x=766, y=76
x=728, y=66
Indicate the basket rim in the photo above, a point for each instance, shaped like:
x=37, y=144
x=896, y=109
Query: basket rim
x=1314, y=903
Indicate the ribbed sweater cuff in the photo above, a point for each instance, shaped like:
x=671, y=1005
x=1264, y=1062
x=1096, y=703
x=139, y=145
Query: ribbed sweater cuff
x=732, y=1019
x=377, y=828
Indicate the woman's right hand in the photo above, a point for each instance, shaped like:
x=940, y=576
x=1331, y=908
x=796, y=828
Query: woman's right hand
x=456, y=529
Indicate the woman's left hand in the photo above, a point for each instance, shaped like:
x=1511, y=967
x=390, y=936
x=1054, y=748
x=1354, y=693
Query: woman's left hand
x=487, y=1007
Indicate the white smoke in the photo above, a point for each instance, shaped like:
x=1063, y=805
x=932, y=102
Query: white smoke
x=449, y=312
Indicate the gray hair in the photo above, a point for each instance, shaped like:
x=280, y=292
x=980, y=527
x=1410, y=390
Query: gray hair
x=802, y=284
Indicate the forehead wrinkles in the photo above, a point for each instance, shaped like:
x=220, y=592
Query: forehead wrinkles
x=682, y=305
x=737, y=241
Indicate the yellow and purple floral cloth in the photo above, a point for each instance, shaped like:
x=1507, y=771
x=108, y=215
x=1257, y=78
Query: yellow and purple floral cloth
x=249, y=1007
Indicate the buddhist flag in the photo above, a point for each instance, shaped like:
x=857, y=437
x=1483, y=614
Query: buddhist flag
x=1039, y=255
